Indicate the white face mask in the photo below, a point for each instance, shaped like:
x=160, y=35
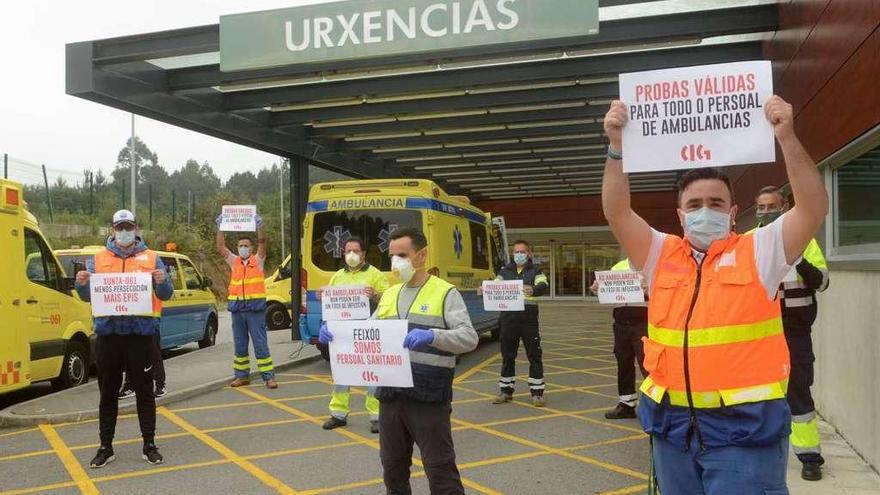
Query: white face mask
x=705, y=226
x=402, y=268
x=125, y=238
x=353, y=259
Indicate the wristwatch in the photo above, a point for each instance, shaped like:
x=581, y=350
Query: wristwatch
x=614, y=154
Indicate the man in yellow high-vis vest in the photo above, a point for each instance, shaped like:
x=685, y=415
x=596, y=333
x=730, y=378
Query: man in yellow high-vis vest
x=357, y=272
x=797, y=295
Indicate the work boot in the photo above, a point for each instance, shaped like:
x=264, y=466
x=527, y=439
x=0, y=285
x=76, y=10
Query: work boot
x=240, y=382
x=374, y=426
x=271, y=383
x=811, y=471
x=622, y=411
x=538, y=401
x=333, y=422
x=502, y=398
x=151, y=454
x=102, y=458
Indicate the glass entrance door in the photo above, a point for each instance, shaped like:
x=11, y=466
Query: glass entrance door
x=569, y=271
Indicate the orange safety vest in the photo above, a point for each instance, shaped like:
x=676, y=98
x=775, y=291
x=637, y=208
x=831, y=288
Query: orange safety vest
x=714, y=327
x=145, y=261
x=247, y=282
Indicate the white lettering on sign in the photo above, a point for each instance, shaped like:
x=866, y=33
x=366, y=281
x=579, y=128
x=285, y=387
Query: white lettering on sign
x=711, y=115
x=383, y=26
x=503, y=295
x=345, y=303
x=370, y=353
x=620, y=287
x=239, y=218
x=122, y=294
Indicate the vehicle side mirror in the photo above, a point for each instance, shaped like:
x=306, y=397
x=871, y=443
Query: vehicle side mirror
x=207, y=282
x=284, y=271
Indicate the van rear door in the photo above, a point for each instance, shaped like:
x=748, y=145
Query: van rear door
x=15, y=367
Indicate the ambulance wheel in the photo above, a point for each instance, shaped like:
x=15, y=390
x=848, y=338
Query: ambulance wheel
x=277, y=317
x=325, y=351
x=75, y=368
x=210, y=337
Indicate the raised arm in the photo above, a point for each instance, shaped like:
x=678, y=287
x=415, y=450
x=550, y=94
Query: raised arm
x=221, y=240
x=810, y=196
x=261, y=239
x=631, y=230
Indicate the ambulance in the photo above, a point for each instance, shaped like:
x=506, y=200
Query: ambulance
x=47, y=329
x=463, y=246
x=191, y=313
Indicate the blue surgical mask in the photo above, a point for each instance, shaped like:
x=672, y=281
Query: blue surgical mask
x=125, y=238
x=244, y=251
x=705, y=226
x=520, y=258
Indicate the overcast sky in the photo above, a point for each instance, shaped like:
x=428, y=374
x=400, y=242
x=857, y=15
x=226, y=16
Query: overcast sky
x=39, y=123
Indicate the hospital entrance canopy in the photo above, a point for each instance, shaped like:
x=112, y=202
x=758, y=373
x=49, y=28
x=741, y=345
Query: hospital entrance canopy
x=495, y=99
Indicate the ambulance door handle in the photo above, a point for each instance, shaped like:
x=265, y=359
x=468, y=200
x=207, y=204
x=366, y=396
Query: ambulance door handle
x=16, y=302
x=32, y=301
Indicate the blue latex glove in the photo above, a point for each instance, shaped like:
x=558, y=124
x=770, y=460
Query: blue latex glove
x=259, y=221
x=219, y=220
x=418, y=338
x=324, y=335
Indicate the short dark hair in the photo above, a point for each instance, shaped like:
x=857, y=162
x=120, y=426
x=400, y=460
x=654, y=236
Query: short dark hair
x=356, y=239
x=772, y=190
x=706, y=173
x=524, y=243
x=245, y=238
x=415, y=235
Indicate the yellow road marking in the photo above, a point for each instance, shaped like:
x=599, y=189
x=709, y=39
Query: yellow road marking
x=467, y=374
x=627, y=491
x=501, y=460
x=163, y=469
x=39, y=489
x=228, y=453
x=354, y=436
x=26, y=454
x=74, y=468
x=19, y=432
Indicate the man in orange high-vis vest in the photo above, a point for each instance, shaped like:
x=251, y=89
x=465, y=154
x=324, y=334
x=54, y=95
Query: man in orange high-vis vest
x=714, y=401
x=247, y=304
x=126, y=342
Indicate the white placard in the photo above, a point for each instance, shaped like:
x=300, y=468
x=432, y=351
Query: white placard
x=620, y=287
x=122, y=294
x=503, y=295
x=345, y=303
x=370, y=353
x=239, y=218
x=702, y=116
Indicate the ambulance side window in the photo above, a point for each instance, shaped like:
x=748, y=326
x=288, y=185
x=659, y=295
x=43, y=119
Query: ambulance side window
x=40, y=267
x=193, y=279
x=173, y=274
x=479, y=246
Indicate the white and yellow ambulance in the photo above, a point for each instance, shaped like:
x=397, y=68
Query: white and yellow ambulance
x=46, y=329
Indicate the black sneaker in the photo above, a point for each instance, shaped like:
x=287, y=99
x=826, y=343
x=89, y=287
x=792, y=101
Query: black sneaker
x=160, y=392
x=152, y=455
x=126, y=393
x=622, y=411
x=811, y=471
x=102, y=458
x=374, y=427
x=334, y=423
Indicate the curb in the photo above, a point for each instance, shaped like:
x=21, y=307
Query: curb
x=8, y=419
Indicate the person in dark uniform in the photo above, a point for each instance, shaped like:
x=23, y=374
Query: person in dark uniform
x=522, y=325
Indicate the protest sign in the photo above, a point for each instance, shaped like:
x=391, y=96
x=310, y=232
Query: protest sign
x=345, y=303
x=504, y=295
x=703, y=116
x=620, y=287
x=239, y=218
x=122, y=294
x=370, y=353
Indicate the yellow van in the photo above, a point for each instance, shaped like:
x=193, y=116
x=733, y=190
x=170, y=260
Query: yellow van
x=47, y=329
x=191, y=313
x=461, y=245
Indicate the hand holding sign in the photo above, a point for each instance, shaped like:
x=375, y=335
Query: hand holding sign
x=781, y=115
x=504, y=295
x=620, y=287
x=345, y=303
x=370, y=352
x=614, y=122
x=122, y=294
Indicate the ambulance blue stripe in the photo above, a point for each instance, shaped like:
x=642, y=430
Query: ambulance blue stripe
x=416, y=204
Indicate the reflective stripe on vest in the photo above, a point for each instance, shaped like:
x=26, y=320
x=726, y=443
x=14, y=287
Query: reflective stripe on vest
x=145, y=261
x=247, y=281
x=426, y=311
x=735, y=344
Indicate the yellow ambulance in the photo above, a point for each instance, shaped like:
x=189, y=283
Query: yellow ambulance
x=461, y=245
x=191, y=313
x=47, y=329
